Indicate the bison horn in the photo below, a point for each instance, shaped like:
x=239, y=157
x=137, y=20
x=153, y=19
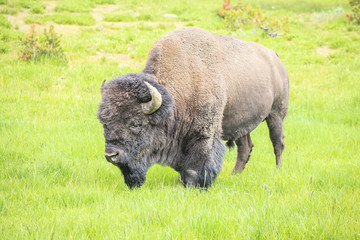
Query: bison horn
x=155, y=102
x=102, y=86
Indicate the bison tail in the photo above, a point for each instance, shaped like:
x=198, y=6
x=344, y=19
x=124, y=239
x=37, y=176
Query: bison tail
x=230, y=144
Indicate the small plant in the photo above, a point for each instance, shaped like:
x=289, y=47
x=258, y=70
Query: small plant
x=355, y=9
x=47, y=45
x=51, y=46
x=30, y=50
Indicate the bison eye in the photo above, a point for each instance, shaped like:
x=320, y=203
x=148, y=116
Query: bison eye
x=135, y=128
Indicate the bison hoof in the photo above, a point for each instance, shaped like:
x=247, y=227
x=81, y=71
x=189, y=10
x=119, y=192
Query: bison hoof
x=237, y=170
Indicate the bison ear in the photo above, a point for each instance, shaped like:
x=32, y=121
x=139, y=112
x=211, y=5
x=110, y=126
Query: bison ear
x=156, y=100
x=102, y=86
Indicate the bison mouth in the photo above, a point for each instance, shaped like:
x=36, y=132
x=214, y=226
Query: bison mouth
x=112, y=158
x=115, y=156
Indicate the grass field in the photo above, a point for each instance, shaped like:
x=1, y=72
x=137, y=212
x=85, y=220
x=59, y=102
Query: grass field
x=56, y=184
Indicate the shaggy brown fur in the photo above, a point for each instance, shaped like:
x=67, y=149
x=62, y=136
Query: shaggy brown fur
x=214, y=87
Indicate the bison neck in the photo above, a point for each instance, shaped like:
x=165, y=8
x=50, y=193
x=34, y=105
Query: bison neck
x=170, y=153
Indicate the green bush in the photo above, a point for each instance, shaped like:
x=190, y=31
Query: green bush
x=51, y=45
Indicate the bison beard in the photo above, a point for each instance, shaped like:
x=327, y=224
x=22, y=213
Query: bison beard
x=133, y=177
x=196, y=90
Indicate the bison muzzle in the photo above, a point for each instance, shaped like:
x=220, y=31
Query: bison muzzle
x=196, y=90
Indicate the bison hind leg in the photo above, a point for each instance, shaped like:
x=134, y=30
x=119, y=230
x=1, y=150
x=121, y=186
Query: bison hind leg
x=244, y=148
x=275, y=124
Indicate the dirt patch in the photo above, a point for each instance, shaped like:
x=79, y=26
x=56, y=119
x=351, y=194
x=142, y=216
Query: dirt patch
x=100, y=10
x=106, y=8
x=50, y=6
x=325, y=51
x=18, y=20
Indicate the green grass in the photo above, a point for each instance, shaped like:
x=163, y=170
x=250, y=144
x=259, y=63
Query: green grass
x=8, y=10
x=69, y=6
x=129, y=17
x=4, y=22
x=56, y=184
x=81, y=19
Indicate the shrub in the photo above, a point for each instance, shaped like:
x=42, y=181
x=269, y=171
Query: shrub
x=237, y=17
x=51, y=46
x=30, y=45
x=355, y=9
x=36, y=47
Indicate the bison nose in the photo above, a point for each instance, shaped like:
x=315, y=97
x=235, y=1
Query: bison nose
x=111, y=156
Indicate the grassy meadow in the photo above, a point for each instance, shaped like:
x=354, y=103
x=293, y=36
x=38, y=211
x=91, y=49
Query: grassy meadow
x=56, y=184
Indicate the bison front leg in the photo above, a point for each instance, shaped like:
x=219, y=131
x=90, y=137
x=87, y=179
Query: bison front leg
x=203, y=162
x=244, y=148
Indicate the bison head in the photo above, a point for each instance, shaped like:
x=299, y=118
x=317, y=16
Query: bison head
x=134, y=112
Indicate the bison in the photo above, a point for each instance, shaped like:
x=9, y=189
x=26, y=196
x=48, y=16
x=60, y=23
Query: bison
x=197, y=90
